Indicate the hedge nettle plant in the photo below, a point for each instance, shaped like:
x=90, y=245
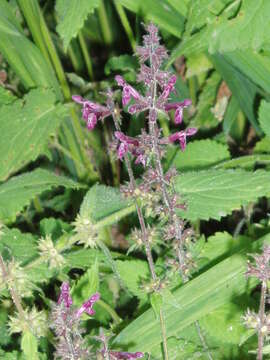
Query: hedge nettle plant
x=155, y=191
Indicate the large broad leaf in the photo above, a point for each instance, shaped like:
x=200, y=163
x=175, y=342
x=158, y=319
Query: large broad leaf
x=216, y=193
x=264, y=117
x=105, y=205
x=161, y=12
x=26, y=126
x=200, y=154
x=17, y=193
x=219, y=33
x=221, y=284
x=72, y=17
x=22, y=55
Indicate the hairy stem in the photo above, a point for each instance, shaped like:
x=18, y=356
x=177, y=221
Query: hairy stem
x=145, y=241
x=261, y=316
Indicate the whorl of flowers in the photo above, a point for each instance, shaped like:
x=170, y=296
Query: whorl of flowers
x=66, y=325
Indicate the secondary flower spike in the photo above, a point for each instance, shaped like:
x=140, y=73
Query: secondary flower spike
x=91, y=112
x=181, y=136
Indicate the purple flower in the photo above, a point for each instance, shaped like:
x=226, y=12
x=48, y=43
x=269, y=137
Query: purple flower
x=65, y=295
x=181, y=136
x=178, y=106
x=125, y=355
x=168, y=88
x=128, y=91
x=91, y=112
x=88, y=306
x=126, y=142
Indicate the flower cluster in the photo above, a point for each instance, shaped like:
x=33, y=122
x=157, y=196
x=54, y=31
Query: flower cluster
x=49, y=253
x=66, y=324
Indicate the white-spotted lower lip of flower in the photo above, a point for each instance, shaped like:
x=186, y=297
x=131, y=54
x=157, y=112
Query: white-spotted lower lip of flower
x=49, y=253
x=85, y=232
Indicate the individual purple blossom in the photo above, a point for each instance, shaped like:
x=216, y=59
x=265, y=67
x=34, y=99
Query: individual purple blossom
x=91, y=112
x=88, y=306
x=178, y=107
x=65, y=295
x=125, y=142
x=181, y=136
x=128, y=91
x=168, y=88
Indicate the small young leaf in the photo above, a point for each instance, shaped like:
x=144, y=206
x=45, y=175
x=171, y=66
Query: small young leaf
x=29, y=346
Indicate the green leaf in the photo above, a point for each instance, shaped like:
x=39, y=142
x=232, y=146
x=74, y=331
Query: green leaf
x=156, y=303
x=214, y=288
x=200, y=154
x=216, y=193
x=264, y=117
x=86, y=286
x=29, y=345
x=263, y=145
x=123, y=63
x=253, y=65
x=221, y=245
x=220, y=32
x=241, y=87
x=72, y=17
x=205, y=117
x=105, y=205
x=161, y=12
x=26, y=126
x=133, y=273
x=17, y=192
x=6, y=96
x=247, y=162
x=22, y=55
x=22, y=247
x=224, y=325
